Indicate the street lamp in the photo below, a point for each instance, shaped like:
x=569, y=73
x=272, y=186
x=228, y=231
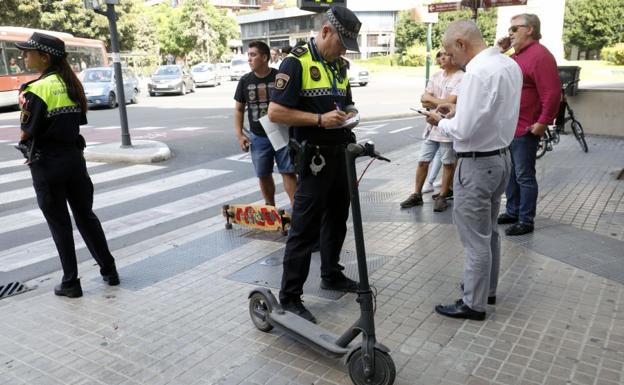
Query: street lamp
x=98, y=7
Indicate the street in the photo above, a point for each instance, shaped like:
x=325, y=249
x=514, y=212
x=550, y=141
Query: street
x=141, y=202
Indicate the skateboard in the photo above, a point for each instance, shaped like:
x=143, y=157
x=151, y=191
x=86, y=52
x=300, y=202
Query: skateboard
x=261, y=217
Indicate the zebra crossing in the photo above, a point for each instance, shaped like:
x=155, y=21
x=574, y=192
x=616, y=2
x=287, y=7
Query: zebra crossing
x=150, y=200
x=19, y=212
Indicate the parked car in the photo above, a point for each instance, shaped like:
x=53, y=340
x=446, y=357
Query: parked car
x=170, y=79
x=101, y=89
x=238, y=68
x=358, y=74
x=206, y=74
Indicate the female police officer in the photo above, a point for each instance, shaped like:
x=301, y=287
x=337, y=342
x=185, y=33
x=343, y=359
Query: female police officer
x=53, y=107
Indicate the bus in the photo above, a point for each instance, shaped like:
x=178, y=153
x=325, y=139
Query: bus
x=81, y=54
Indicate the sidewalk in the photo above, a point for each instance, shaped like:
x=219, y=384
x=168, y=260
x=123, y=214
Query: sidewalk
x=181, y=317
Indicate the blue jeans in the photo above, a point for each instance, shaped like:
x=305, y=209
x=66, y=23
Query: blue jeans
x=522, y=188
x=263, y=157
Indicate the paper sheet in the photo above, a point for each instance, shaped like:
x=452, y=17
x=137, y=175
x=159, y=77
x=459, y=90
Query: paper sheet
x=277, y=133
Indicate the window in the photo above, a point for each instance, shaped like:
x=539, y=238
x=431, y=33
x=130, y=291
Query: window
x=3, y=68
x=14, y=60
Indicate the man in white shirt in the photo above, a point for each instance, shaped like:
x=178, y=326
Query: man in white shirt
x=482, y=125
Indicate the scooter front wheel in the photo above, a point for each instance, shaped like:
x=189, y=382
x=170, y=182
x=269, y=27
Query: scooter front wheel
x=385, y=371
x=259, y=309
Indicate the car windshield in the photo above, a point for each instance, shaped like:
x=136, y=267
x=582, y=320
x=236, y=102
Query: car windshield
x=97, y=76
x=169, y=70
x=239, y=62
x=203, y=68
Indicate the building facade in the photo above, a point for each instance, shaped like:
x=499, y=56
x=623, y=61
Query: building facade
x=285, y=27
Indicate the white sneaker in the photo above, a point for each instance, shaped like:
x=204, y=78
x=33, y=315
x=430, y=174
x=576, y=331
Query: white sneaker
x=427, y=188
x=437, y=183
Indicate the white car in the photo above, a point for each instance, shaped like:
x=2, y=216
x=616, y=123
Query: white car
x=205, y=74
x=238, y=68
x=358, y=75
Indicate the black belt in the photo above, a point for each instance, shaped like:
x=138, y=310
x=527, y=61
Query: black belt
x=477, y=154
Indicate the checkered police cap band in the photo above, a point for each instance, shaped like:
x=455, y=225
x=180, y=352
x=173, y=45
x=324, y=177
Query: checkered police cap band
x=339, y=27
x=44, y=48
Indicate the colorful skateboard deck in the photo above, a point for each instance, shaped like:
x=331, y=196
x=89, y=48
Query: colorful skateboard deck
x=261, y=217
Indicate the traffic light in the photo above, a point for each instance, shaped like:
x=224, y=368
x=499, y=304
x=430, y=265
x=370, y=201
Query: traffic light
x=98, y=5
x=320, y=5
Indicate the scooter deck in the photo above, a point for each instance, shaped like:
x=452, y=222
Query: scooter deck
x=308, y=332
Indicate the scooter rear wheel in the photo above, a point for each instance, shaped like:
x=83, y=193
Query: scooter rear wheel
x=385, y=371
x=259, y=309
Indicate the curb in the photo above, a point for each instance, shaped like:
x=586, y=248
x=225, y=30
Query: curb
x=141, y=151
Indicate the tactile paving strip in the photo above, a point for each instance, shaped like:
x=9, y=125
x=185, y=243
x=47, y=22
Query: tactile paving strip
x=268, y=272
x=165, y=265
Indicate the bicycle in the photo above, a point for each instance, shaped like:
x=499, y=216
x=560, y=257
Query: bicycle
x=562, y=119
x=548, y=140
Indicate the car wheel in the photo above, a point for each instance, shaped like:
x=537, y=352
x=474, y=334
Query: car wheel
x=193, y=87
x=183, y=89
x=135, y=96
x=152, y=93
x=363, y=84
x=112, y=100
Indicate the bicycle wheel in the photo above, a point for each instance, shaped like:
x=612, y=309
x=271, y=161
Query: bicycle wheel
x=579, y=134
x=542, y=147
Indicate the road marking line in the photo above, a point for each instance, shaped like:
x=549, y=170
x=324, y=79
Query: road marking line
x=5, y=141
x=10, y=126
x=27, y=254
x=245, y=157
x=189, y=128
x=23, y=175
x=12, y=163
x=110, y=198
x=401, y=129
x=108, y=128
x=147, y=128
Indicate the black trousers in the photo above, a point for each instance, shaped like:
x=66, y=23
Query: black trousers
x=61, y=178
x=321, y=208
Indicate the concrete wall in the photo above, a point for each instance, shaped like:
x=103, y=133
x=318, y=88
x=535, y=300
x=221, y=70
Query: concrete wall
x=599, y=110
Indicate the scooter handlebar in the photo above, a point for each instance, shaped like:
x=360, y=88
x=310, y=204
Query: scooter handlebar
x=368, y=149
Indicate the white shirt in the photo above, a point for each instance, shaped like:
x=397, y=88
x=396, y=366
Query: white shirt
x=488, y=104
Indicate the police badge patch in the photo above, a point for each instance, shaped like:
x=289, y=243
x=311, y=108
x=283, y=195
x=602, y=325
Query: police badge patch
x=315, y=73
x=281, y=80
x=25, y=117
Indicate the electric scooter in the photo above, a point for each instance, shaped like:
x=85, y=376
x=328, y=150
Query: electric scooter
x=368, y=362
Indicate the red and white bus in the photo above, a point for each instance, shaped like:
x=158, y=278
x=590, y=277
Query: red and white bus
x=81, y=54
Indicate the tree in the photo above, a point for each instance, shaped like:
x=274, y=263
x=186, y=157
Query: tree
x=409, y=32
x=593, y=24
x=20, y=13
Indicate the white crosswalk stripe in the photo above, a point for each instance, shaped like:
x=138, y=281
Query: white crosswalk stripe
x=146, y=216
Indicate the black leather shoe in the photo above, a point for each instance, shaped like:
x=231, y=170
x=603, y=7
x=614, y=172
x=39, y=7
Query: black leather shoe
x=460, y=310
x=519, y=229
x=111, y=279
x=70, y=290
x=505, y=219
x=340, y=283
x=491, y=300
x=296, y=307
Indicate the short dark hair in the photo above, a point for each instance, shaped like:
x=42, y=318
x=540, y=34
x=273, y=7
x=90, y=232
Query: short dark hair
x=262, y=47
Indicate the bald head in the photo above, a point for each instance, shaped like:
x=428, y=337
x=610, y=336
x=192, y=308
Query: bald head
x=463, y=40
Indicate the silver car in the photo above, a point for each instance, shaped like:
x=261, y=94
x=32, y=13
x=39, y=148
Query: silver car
x=205, y=74
x=170, y=79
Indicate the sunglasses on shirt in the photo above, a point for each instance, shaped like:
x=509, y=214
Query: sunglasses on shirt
x=515, y=28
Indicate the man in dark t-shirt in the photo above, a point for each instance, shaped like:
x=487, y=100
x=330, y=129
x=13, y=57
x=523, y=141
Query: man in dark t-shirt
x=253, y=92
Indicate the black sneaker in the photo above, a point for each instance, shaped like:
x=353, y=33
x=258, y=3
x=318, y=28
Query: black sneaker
x=413, y=200
x=519, y=229
x=296, y=307
x=505, y=219
x=70, y=290
x=340, y=282
x=111, y=279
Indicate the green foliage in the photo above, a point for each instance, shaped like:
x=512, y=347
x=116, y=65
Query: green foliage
x=409, y=32
x=593, y=24
x=414, y=56
x=20, y=13
x=613, y=54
